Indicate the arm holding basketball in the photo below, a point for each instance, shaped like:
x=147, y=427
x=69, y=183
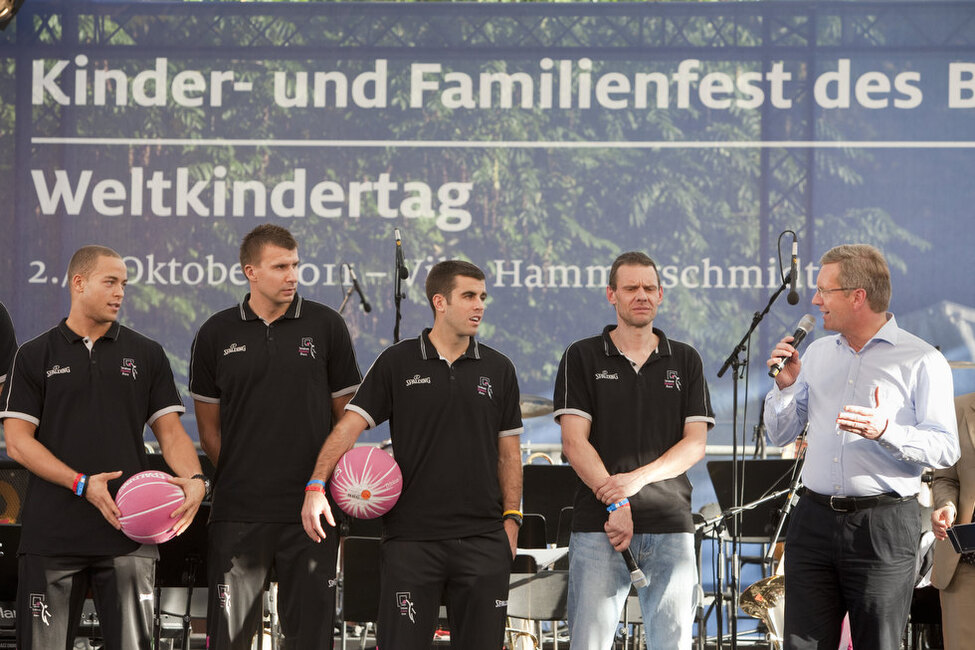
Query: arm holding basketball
x=510, y=479
x=24, y=448
x=339, y=441
x=179, y=453
x=208, y=424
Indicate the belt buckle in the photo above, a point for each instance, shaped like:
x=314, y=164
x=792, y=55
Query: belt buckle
x=836, y=504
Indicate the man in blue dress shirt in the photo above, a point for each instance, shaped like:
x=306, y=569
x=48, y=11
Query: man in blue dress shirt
x=878, y=402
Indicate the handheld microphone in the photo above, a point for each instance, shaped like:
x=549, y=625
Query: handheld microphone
x=401, y=268
x=636, y=575
x=366, y=307
x=805, y=325
x=793, y=297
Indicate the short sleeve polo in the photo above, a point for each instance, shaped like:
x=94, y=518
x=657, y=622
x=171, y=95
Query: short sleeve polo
x=90, y=409
x=445, y=421
x=274, y=383
x=635, y=416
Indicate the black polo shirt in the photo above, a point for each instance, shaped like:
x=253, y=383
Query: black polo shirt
x=445, y=421
x=90, y=409
x=8, y=343
x=635, y=418
x=274, y=383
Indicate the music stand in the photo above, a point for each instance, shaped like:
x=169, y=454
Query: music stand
x=182, y=565
x=546, y=490
x=758, y=479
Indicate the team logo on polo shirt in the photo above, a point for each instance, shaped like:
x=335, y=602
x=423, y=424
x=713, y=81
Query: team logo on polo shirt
x=39, y=608
x=484, y=387
x=307, y=347
x=606, y=374
x=58, y=370
x=129, y=369
x=405, y=602
x=672, y=380
x=223, y=595
x=417, y=379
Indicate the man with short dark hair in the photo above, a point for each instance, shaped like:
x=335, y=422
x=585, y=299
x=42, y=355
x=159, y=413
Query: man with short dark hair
x=878, y=404
x=77, y=400
x=453, y=407
x=268, y=378
x=635, y=411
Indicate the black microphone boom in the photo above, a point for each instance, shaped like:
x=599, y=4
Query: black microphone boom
x=793, y=297
x=366, y=307
x=401, y=269
x=636, y=575
x=805, y=325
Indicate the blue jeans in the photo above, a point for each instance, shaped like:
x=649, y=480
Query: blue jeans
x=599, y=583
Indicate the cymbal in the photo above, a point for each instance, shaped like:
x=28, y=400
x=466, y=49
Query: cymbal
x=533, y=405
x=962, y=364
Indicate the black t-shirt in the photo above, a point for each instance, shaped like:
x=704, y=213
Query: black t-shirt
x=90, y=409
x=8, y=343
x=445, y=421
x=274, y=384
x=635, y=418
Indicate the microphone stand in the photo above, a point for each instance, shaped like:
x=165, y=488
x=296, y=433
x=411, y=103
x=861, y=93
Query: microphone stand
x=398, y=277
x=345, y=299
x=740, y=365
x=790, y=501
x=758, y=433
x=718, y=525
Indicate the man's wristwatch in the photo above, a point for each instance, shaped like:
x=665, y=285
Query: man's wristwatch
x=206, y=485
x=513, y=515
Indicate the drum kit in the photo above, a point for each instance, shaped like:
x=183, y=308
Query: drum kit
x=533, y=406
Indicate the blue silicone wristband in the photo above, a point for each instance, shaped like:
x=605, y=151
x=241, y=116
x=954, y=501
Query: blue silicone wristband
x=619, y=504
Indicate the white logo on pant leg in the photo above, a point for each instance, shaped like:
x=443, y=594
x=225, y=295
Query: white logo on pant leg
x=405, y=602
x=223, y=592
x=39, y=608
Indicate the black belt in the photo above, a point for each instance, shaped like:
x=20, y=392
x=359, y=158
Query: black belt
x=852, y=504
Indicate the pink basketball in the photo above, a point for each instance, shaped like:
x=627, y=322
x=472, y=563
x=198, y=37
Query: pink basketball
x=366, y=482
x=146, y=500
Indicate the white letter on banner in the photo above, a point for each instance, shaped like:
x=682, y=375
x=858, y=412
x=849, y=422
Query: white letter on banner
x=300, y=98
x=515, y=273
x=105, y=191
x=45, y=82
x=871, y=83
x=184, y=83
x=62, y=190
x=903, y=85
x=294, y=187
x=418, y=84
x=961, y=85
x=377, y=78
x=842, y=80
x=158, y=78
